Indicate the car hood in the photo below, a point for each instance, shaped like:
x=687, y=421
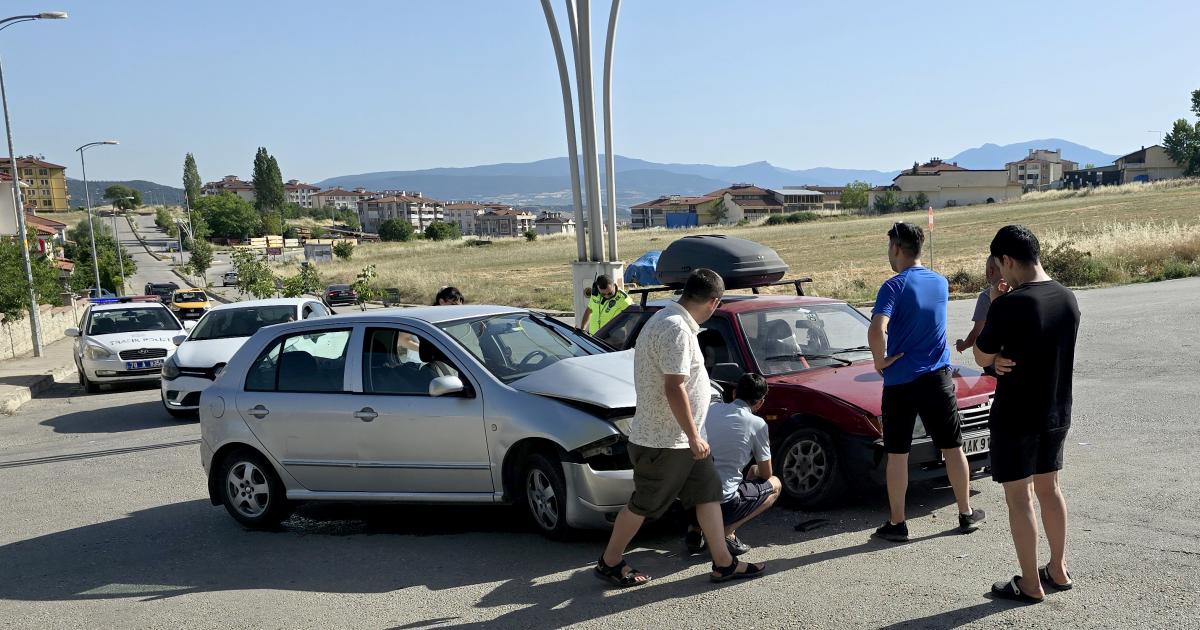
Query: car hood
x=860, y=385
x=208, y=352
x=128, y=341
x=603, y=380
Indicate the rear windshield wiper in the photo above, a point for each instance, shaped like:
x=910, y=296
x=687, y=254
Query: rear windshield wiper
x=801, y=355
x=854, y=349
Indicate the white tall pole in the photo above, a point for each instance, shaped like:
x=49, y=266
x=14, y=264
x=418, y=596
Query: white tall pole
x=87, y=195
x=587, y=118
x=610, y=183
x=35, y=316
x=564, y=80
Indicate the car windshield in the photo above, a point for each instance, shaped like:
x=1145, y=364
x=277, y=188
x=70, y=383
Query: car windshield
x=191, y=296
x=799, y=338
x=134, y=319
x=240, y=322
x=514, y=345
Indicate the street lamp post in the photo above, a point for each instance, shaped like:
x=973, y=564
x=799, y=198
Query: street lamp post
x=35, y=320
x=116, y=236
x=87, y=195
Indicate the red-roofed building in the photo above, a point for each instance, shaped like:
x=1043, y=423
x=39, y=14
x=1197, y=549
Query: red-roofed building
x=747, y=201
x=466, y=214
x=229, y=184
x=45, y=183
x=505, y=223
x=339, y=198
x=299, y=193
x=409, y=206
x=674, y=211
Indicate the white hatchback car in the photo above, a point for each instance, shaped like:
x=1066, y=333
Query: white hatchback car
x=125, y=340
x=215, y=338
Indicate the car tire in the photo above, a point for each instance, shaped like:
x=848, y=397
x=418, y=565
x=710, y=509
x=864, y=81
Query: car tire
x=87, y=385
x=810, y=467
x=544, y=492
x=251, y=491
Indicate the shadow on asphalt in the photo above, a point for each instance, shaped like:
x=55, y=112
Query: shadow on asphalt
x=195, y=547
x=133, y=417
x=73, y=390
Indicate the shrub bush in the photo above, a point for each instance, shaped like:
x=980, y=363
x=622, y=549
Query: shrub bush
x=802, y=217
x=1073, y=267
x=963, y=281
x=395, y=230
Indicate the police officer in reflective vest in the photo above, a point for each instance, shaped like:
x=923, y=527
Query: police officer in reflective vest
x=606, y=301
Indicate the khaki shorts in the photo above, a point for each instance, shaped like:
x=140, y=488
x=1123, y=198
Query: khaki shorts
x=660, y=475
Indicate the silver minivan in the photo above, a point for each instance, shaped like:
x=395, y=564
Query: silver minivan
x=447, y=404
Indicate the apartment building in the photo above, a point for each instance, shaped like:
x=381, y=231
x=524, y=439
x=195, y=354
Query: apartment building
x=504, y=223
x=674, y=211
x=551, y=223
x=466, y=214
x=44, y=184
x=300, y=193
x=952, y=187
x=413, y=207
x=831, y=198
x=229, y=184
x=339, y=198
x=1041, y=169
x=746, y=201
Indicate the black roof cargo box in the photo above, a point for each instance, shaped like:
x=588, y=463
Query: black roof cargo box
x=740, y=263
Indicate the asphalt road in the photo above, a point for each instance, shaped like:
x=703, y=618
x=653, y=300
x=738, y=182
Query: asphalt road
x=106, y=524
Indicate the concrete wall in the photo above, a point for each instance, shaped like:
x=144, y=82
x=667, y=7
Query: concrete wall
x=8, y=217
x=16, y=339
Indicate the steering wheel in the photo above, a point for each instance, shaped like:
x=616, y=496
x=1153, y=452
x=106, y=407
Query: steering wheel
x=541, y=357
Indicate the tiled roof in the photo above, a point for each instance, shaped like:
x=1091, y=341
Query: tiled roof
x=405, y=199
x=301, y=187
x=747, y=189
x=43, y=221
x=30, y=162
x=508, y=213
x=676, y=201
x=339, y=192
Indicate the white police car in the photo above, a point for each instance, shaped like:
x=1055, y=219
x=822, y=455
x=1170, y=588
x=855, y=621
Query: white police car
x=122, y=340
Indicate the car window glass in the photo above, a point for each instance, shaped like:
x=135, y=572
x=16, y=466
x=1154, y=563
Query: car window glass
x=398, y=362
x=127, y=320
x=717, y=344
x=318, y=310
x=308, y=362
x=514, y=345
x=622, y=333
x=778, y=337
x=190, y=296
x=240, y=322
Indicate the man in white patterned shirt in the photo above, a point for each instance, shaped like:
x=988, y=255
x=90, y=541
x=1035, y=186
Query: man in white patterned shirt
x=671, y=458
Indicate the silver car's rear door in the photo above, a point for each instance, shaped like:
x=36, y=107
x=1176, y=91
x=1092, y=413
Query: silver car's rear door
x=296, y=402
x=418, y=443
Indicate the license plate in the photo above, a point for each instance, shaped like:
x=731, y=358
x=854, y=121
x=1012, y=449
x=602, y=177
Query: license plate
x=976, y=445
x=143, y=365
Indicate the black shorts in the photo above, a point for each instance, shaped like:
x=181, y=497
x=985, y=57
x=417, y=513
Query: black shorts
x=661, y=475
x=750, y=496
x=933, y=397
x=1018, y=455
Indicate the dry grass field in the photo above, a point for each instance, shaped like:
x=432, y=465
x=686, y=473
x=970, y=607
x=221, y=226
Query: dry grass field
x=1131, y=229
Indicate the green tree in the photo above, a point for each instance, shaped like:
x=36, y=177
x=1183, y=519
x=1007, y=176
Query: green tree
x=343, y=250
x=886, y=201
x=908, y=204
x=364, y=286
x=164, y=219
x=530, y=235
x=856, y=195
x=307, y=281
x=442, y=231
x=254, y=277
x=269, y=193
x=14, y=290
x=201, y=259
x=229, y=216
x=271, y=224
x=922, y=200
x=191, y=180
x=1182, y=143
x=119, y=196
x=720, y=211
x=396, y=230
x=79, y=249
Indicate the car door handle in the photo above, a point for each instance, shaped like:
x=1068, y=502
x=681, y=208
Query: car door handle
x=366, y=414
x=258, y=411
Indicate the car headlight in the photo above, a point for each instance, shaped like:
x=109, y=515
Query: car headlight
x=919, y=428
x=170, y=369
x=95, y=351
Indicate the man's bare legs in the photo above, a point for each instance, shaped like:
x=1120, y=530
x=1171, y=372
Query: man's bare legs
x=624, y=529
x=1023, y=522
x=713, y=526
x=897, y=484
x=731, y=530
x=1054, y=520
x=960, y=477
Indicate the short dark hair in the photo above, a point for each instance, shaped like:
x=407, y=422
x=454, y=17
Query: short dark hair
x=603, y=281
x=751, y=388
x=1018, y=243
x=703, y=285
x=448, y=294
x=909, y=237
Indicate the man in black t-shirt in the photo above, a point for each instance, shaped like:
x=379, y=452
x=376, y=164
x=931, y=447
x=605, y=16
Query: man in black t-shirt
x=1030, y=340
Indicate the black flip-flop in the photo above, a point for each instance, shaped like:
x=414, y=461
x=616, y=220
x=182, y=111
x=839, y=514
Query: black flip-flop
x=724, y=574
x=615, y=576
x=1044, y=573
x=1010, y=591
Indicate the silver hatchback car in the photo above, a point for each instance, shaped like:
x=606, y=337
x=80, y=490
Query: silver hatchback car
x=447, y=404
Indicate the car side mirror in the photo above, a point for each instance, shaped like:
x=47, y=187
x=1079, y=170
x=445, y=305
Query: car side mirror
x=445, y=385
x=71, y=332
x=178, y=339
x=727, y=372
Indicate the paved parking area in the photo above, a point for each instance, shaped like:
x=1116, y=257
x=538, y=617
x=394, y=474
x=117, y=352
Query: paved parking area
x=106, y=524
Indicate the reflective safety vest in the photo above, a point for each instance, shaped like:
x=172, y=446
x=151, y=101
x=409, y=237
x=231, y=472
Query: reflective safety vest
x=604, y=310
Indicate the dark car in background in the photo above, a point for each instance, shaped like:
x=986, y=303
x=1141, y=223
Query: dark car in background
x=336, y=294
x=162, y=290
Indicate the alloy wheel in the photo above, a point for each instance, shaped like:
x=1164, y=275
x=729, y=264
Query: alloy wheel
x=805, y=466
x=247, y=489
x=543, y=503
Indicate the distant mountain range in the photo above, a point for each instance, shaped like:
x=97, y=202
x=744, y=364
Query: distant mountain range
x=152, y=193
x=547, y=182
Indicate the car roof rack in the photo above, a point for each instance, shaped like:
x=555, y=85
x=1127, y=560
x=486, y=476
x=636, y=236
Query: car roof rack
x=644, y=292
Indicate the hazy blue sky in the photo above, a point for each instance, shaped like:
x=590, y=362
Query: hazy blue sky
x=333, y=88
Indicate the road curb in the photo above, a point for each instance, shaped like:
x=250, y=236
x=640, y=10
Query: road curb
x=12, y=396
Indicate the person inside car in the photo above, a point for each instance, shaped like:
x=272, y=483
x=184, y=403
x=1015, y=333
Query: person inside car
x=737, y=436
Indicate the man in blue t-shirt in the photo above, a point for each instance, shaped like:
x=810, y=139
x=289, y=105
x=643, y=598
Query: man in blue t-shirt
x=910, y=312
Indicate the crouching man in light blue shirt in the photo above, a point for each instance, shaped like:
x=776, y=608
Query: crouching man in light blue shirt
x=737, y=436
